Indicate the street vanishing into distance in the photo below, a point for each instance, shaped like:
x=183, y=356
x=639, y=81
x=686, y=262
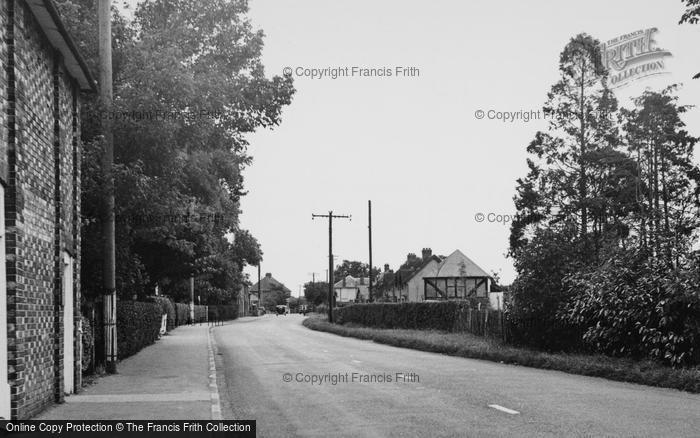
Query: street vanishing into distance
x=429, y=394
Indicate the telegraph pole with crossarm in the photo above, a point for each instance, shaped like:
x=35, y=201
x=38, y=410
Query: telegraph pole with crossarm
x=330, y=217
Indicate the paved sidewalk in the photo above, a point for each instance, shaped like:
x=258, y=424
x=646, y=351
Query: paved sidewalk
x=169, y=380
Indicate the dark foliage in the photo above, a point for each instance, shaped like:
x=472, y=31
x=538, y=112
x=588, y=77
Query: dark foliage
x=633, y=305
x=178, y=180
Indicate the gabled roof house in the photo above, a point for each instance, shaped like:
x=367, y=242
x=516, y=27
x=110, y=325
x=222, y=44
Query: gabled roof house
x=457, y=277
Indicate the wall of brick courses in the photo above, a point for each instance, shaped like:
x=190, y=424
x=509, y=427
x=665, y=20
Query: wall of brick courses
x=42, y=200
x=3, y=93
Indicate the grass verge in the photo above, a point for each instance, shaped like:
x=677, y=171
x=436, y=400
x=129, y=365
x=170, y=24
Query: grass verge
x=476, y=347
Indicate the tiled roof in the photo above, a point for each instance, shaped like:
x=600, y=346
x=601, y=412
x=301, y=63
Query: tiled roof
x=459, y=265
x=421, y=267
x=267, y=283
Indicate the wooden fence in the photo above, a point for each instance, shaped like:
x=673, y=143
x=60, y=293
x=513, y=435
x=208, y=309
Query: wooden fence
x=489, y=323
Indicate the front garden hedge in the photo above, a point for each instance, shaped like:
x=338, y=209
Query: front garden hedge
x=138, y=325
x=419, y=316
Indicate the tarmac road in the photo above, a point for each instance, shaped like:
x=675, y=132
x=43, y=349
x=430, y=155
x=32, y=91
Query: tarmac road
x=382, y=391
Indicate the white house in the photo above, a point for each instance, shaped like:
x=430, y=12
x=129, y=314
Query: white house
x=406, y=283
x=414, y=287
x=457, y=277
x=351, y=289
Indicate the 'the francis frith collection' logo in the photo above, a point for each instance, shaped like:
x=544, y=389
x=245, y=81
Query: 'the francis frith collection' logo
x=632, y=56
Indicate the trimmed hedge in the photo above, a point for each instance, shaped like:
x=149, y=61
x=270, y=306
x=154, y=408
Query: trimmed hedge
x=138, y=325
x=420, y=316
x=447, y=316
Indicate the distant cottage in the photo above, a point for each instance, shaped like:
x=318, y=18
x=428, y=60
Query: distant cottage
x=266, y=285
x=41, y=77
x=431, y=277
x=352, y=290
x=457, y=277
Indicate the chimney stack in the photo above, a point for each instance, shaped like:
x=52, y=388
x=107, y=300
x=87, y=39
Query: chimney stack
x=427, y=253
x=268, y=275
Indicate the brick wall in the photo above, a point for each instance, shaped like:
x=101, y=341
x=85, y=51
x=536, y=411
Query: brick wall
x=3, y=92
x=41, y=212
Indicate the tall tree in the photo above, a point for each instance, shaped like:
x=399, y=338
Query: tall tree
x=577, y=162
x=353, y=268
x=668, y=184
x=189, y=87
x=316, y=292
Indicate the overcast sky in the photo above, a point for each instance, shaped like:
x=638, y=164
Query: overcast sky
x=412, y=144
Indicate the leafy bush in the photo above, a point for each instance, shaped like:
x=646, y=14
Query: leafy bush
x=138, y=325
x=634, y=305
x=537, y=294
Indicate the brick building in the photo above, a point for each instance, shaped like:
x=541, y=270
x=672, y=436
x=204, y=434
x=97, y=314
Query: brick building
x=267, y=285
x=41, y=76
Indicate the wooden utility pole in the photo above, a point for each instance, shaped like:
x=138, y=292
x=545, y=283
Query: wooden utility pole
x=110, y=292
x=369, y=204
x=260, y=302
x=330, y=217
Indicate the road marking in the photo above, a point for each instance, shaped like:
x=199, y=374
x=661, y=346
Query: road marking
x=213, y=387
x=502, y=409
